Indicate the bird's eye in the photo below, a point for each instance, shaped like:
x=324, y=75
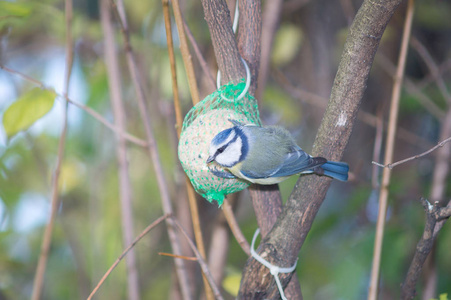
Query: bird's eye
x=220, y=150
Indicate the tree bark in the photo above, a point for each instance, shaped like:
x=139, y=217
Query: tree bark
x=284, y=241
x=281, y=246
x=219, y=23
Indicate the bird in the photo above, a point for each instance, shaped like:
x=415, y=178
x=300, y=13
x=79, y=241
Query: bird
x=265, y=155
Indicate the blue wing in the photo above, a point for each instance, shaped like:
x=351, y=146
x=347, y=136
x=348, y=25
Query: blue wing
x=298, y=162
x=294, y=163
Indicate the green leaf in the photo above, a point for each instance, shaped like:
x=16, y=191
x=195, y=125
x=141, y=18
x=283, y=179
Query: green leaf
x=26, y=110
x=14, y=9
x=231, y=283
x=287, y=43
x=443, y=296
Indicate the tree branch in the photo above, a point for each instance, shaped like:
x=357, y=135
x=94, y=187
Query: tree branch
x=87, y=109
x=184, y=280
x=218, y=19
x=435, y=218
x=392, y=165
x=284, y=241
x=129, y=247
x=55, y=201
x=117, y=105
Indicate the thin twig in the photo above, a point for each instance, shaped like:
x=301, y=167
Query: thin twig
x=87, y=109
x=191, y=76
x=118, y=260
x=392, y=165
x=412, y=88
x=45, y=248
x=433, y=68
x=442, y=69
x=233, y=224
x=321, y=102
x=178, y=256
x=219, y=247
x=191, y=194
x=377, y=149
x=203, y=265
x=125, y=191
x=441, y=166
x=438, y=190
x=203, y=64
x=175, y=90
x=270, y=23
x=155, y=157
x=389, y=150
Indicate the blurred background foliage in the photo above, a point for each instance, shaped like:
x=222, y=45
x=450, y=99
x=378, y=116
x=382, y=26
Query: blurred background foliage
x=336, y=259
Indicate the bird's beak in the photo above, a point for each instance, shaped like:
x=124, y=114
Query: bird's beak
x=210, y=159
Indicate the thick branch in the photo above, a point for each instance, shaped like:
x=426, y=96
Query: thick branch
x=266, y=199
x=218, y=19
x=283, y=243
x=435, y=217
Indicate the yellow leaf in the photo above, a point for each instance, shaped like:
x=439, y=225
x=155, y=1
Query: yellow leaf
x=71, y=175
x=286, y=45
x=14, y=9
x=231, y=283
x=29, y=108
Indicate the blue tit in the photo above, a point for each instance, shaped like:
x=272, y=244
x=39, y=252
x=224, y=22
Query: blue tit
x=266, y=155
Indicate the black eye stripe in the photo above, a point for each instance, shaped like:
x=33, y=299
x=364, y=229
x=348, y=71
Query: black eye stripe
x=238, y=134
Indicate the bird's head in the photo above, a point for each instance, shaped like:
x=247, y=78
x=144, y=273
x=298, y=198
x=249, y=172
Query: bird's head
x=228, y=147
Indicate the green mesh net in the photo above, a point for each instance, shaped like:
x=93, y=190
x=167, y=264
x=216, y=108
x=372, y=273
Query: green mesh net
x=202, y=123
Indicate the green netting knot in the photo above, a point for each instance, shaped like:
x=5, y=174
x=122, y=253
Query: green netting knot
x=202, y=123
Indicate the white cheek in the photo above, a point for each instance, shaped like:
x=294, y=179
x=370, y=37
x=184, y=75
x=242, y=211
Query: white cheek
x=231, y=155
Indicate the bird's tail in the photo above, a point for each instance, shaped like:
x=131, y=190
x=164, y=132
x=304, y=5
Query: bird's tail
x=335, y=169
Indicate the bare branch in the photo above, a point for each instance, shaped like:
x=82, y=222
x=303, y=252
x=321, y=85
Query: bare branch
x=87, y=109
x=289, y=232
x=202, y=263
x=178, y=256
x=445, y=212
x=412, y=88
x=155, y=157
x=47, y=238
x=175, y=90
x=233, y=224
x=203, y=64
x=434, y=223
x=223, y=38
x=392, y=165
x=118, y=260
x=389, y=150
x=270, y=23
x=321, y=102
x=117, y=105
x=219, y=248
x=377, y=149
x=195, y=98
x=433, y=68
x=191, y=76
